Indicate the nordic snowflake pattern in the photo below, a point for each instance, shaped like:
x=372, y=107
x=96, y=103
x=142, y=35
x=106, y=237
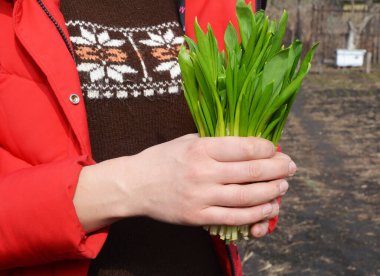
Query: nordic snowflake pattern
x=127, y=62
x=170, y=41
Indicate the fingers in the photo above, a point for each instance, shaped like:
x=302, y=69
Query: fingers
x=256, y=170
x=235, y=216
x=281, y=155
x=260, y=229
x=235, y=195
x=228, y=149
x=257, y=215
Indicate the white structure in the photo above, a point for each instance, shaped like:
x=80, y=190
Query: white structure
x=354, y=58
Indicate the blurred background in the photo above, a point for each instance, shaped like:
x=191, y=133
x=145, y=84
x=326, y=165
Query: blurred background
x=330, y=218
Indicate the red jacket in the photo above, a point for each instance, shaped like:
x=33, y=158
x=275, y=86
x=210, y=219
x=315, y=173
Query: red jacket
x=44, y=141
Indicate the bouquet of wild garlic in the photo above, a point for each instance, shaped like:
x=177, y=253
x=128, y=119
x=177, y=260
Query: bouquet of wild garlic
x=247, y=91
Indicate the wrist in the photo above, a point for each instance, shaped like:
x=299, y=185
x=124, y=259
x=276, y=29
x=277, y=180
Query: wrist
x=123, y=177
x=101, y=195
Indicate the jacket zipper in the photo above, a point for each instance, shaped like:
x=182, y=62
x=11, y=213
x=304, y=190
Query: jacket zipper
x=258, y=5
x=42, y=5
x=233, y=273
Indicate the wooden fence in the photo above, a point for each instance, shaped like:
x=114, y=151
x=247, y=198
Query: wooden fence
x=329, y=26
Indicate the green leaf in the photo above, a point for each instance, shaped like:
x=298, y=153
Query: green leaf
x=230, y=94
x=253, y=88
x=259, y=17
x=275, y=69
x=222, y=90
x=244, y=115
x=204, y=63
x=231, y=40
x=204, y=54
x=192, y=45
x=261, y=59
x=262, y=105
x=304, y=69
x=202, y=39
x=188, y=74
x=244, y=16
x=222, y=63
x=223, y=99
x=236, y=129
x=259, y=45
x=279, y=128
x=305, y=65
x=207, y=115
x=254, y=119
x=294, y=57
x=242, y=76
x=214, y=52
x=203, y=121
x=193, y=106
x=247, y=55
x=220, y=130
x=268, y=132
x=277, y=39
x=285, y=95
x=204, y=87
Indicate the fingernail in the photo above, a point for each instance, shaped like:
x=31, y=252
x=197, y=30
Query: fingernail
x=292, y=168
x=283, y=187
x=258, y=230
x=267, y=209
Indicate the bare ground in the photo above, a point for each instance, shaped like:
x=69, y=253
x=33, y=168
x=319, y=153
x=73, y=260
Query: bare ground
x=330, y=218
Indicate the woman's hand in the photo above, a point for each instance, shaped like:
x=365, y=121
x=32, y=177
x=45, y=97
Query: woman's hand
x=191, y=181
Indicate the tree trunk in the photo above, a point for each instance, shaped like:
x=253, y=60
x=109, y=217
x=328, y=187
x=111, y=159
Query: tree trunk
x=352, y=35
x=356, y=31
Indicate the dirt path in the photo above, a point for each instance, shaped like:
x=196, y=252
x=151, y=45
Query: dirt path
x=330, y=219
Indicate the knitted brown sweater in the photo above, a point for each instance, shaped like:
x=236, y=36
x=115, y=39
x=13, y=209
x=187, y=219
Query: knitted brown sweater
x=126, y=55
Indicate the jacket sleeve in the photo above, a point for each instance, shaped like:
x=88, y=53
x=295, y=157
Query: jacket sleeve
x=38, y=222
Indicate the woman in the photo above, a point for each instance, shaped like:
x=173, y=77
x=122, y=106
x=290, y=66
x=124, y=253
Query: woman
x=140, y=173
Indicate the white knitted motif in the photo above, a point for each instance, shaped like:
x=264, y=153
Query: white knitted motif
x=104, y=55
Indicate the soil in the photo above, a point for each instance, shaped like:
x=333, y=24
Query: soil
x=330, y=218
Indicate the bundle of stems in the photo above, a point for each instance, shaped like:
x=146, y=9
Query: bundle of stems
x=247, y=90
